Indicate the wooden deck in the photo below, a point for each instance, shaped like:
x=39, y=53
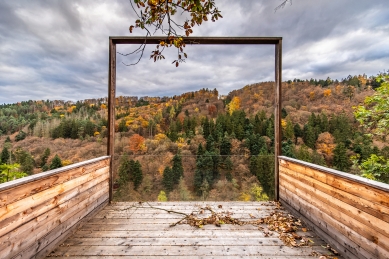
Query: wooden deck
x=133, y=230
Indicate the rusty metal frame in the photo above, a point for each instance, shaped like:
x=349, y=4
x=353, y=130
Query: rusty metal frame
x=276, y=41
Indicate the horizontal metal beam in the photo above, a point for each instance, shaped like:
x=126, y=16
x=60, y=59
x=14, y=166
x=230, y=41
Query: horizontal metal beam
x=199, y=40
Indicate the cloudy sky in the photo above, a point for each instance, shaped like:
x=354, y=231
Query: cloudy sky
x=53, y=49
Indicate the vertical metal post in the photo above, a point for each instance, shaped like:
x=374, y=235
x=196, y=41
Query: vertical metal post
x=111, y=112
x=277, y=119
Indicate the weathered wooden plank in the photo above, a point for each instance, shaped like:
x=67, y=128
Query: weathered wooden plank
x=17, y=220
x=191, y=250
x=174, y=241
x=171, y=233
x=11, y=195
x=324, y=201
x=31, y=232
x=343, y=220
x=330, y=225
x=198, y=203
x=377, y=210
x=149, y=221
x=151, y=227
x=339, y=174
x=364, y=191
x=38, y=198
x=347, y=249
x=55, y=213
x=149, y=216
x=186, y=257
x=57, y=235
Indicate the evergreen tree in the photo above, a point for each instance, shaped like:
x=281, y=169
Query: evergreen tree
x=137, y=175
x=124, y=170
x=309, y=136
x=20, y=136
x=206, y=128
x=288, y=133
x=239, y=132
x=200, y=150
x=325, y=126
x=45, y=156
x=7, y=140
x=56, y=163
x=25, y=160
x=167, y=179
x=288, y=149
x=298, y=132
x=122, y=126
x=225, y=146
x=228, y=165
x=341, y=161
x=210, y=145
x=204, y=171
x=284, y=113
x=177, y=169
x=4, y=156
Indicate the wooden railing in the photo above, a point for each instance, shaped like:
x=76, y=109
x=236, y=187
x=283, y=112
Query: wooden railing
x=39, y=212
x=350, y=212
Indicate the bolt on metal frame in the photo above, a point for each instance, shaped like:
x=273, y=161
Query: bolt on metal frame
x=276, y=41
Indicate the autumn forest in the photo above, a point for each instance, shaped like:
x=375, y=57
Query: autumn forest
x=202, y=145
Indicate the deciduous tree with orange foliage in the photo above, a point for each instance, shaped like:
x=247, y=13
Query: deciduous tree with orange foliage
x=136, y=143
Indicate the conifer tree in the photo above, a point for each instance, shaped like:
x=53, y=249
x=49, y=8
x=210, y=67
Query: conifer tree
x=56, y=163
x=225, y=146
x=4, y=156
x=45, y=156
x=309, y=136
x=167, y=179
x=177, y=169
x=124, y=170
x=298, y=132
x=210, y=143
x=137, y=175
x=341, y=161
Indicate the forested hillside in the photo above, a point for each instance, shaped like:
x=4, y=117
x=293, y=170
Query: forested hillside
x=198, y=145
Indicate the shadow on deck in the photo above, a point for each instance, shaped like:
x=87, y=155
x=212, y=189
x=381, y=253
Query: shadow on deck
x=130, y=230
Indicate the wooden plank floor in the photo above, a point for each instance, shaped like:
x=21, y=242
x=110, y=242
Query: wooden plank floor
x=132, y=230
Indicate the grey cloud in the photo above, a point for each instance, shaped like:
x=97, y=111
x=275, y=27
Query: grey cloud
x=59, y=49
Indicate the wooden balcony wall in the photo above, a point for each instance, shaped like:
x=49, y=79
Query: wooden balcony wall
x=349, y=212
x=38, y=212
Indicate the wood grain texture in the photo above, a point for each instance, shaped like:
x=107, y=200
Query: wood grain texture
x=353, y=215
x=130, y=235
x=36, y=213
x=24, y=190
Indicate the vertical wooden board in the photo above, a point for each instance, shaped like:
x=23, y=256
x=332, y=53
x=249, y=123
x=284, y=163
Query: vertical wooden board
x=277, y=112
x=14, y=242
x=330, y=225
x=22, y=191
x=111, y=111
x=17, y=220
x=374, y=209
x=38, y=198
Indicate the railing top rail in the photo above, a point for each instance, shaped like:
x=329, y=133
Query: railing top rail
x=35, y=177
x=352, y=177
